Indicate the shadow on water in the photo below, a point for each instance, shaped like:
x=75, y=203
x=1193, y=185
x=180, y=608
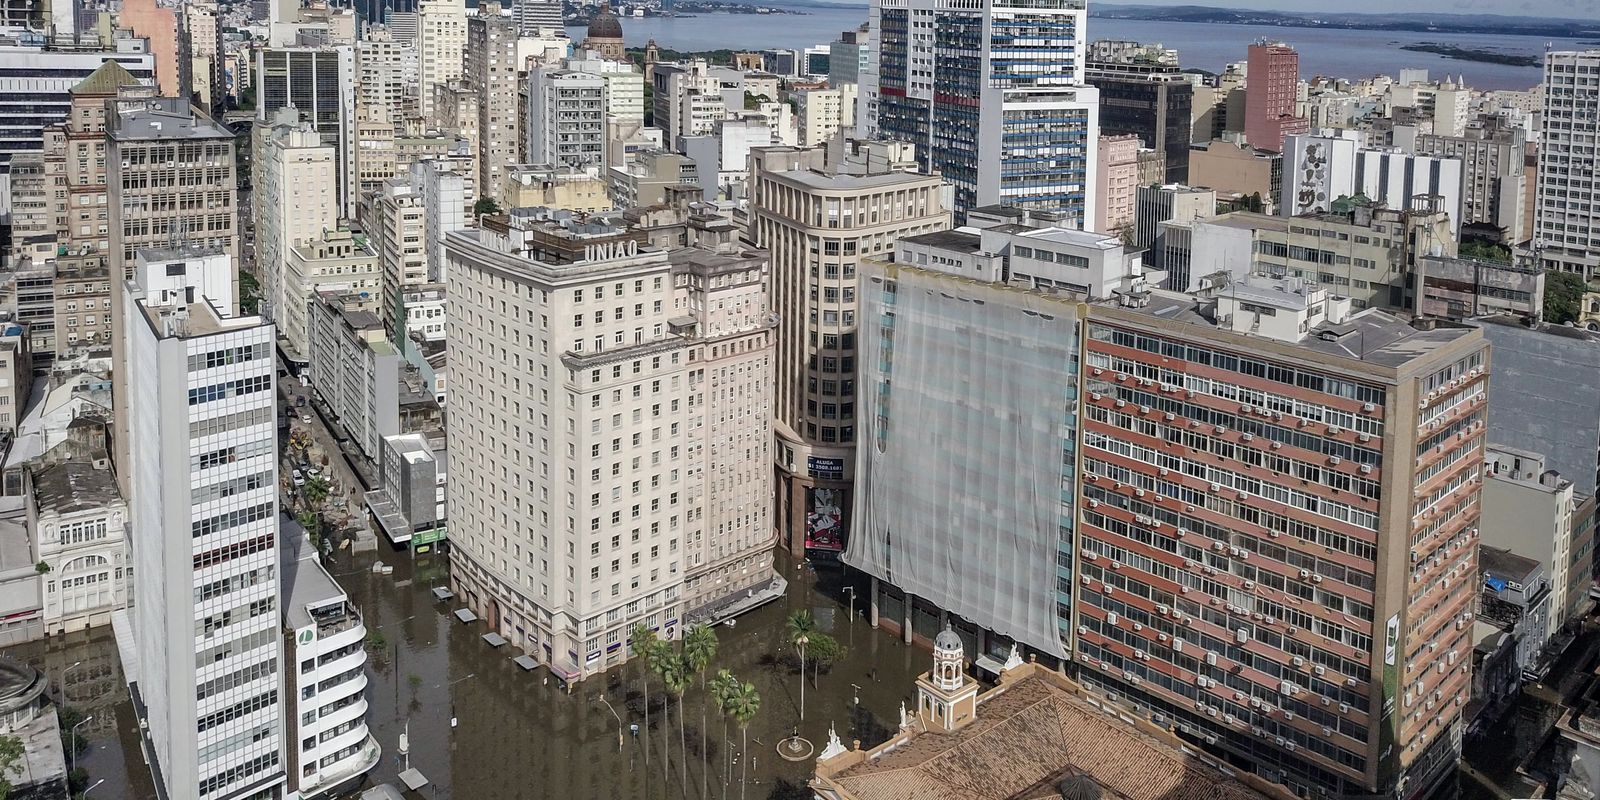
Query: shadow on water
x=521, y=734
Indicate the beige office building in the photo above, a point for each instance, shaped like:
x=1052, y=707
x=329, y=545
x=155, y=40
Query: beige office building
x=818, y=217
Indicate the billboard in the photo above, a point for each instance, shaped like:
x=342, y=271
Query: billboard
x=825, y=521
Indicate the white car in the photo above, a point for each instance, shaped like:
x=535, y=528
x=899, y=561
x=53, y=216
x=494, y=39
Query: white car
x=299, y=479
x=306, y=418
x=314, y=472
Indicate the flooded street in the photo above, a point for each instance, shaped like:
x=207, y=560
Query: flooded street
x=520, y=735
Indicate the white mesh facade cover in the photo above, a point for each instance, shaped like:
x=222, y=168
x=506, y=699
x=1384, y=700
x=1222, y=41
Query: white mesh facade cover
x=965, y=469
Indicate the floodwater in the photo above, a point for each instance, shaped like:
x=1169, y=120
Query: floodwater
x=521, y=735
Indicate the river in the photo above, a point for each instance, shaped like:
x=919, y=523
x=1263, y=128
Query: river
x=1339, y=53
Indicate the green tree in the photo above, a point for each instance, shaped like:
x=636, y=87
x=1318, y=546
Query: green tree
x=1563, y=296
x=802, y=626
x=249, y=293
x=1485, y=251
x=744, y=705
x=825, y=651
x=11, y=755
x=699, y=650
x=315, y=490
x=724, y=687
x=485, y=205
x=312, y=522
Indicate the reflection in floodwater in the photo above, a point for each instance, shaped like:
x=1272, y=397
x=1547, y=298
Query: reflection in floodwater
x=520, y=734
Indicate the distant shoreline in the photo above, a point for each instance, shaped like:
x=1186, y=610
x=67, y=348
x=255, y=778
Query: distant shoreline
x=1473, y=54
x=1208, y=15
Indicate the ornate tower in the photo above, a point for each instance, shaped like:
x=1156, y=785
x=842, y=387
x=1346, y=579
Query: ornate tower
x=946, y=698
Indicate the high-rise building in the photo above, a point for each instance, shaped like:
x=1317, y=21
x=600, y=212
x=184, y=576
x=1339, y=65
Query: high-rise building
x=994, y=99
x=1270, y=93
x=566, y=118
x=386, y=78
x=823, y=113
x=1319, y=171
x=1144, y=92
x=818, y=218
x=171, y=177
x=536, y=17
x=849, y=56
x=1225, y=554
x=447, y=196
x=1494, y=183
x=206, y=651
x=42, y=79
x=158, y=24
x=320, y=84
x=594, y=523
x=395, y=220
x=1117, y=182
x=441, y=37
x=492, y=67
x=202, y=38
x=295, y=184
x=1566, y=231
x=624, y=85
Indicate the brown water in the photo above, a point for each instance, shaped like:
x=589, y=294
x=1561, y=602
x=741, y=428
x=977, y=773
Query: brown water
x=520, y=735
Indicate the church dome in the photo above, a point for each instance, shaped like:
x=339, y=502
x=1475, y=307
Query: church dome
x=605, y=25
x=947, y=641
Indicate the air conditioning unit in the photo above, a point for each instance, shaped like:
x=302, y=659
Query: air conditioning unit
x=1111, y=616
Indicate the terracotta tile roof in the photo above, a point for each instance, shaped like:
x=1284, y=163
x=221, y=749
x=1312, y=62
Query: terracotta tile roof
x=1027, y=736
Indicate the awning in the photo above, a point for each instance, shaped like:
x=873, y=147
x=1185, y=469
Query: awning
x=494, y=639
x=466, y=615
x=443, y=593
x=526, y=662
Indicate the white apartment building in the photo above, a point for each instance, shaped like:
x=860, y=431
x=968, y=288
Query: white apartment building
x=624, y=85
x=1566, y=227
x=425, y=310
x=396, y=221
x=296, y=187
x=729, y=549
x=354, y=370
x=1318, y=170
x=566, y=118
x=584, y=526
x=79, y=521
x=447, y=195
x=818, y=219
x=327, y=642
x=204, y=653
x=441, y=39
x=822, y=113
x=672, y=85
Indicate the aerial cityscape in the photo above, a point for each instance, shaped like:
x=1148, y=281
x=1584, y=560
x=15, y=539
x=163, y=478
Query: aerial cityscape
x=795, y=400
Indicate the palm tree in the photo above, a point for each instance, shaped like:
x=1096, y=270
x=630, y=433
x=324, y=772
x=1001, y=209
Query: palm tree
x=802, y=626
x=723, y=689
x=643, y=641
x=675, y=675
x=745, y=704
x=660, y=653
x=699, y=649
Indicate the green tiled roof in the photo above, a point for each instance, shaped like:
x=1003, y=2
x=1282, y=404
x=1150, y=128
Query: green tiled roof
x=106, y=80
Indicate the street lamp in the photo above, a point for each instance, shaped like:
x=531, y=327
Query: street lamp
x=92, y=788
x=602, y=698
x=800, y=642
x=72, y=740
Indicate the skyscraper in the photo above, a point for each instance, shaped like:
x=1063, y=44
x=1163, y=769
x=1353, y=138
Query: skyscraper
x=1566, y=230
x=1144, y=92
x=1270, y=90
x=320, y=84
x=492, y=67
x=295, y=181
x=206, y=661
x=994, y=99
x=819, y=217
x=536, y=16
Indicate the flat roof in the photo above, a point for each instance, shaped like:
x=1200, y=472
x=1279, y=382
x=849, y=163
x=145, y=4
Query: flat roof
x=1372, y=335
x=16, y=546
x=1504, y=563
x=305, y=582
x=962, y=240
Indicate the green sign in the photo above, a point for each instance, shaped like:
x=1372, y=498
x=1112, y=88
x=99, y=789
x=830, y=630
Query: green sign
x=428, y=537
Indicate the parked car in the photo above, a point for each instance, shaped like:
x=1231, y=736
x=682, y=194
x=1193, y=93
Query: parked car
x=298, y=478
x=306, y=418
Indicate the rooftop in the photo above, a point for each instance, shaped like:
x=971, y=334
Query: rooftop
x=1372, y=335
x=305, y=582
x=74, y=486
x=1032, y=732
x=16, y=547
x=1503, y=563
x=959, y=240
x=164, y=118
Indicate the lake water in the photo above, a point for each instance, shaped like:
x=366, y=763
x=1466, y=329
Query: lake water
x=1346, y=54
